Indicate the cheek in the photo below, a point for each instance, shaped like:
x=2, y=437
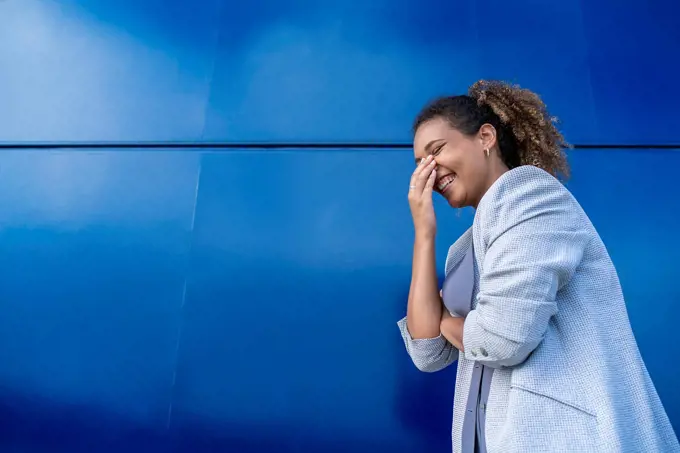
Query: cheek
x=451, y=163
x=473, y=169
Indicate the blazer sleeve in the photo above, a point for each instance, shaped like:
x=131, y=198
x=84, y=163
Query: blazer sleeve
x=428, y=354
x=534, y=235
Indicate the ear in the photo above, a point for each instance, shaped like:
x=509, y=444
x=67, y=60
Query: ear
x=487, y=134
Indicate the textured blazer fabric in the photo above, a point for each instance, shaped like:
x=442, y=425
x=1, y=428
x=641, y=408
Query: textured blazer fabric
x=549, y=316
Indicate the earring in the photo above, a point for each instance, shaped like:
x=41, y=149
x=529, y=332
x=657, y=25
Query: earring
x=488, y=152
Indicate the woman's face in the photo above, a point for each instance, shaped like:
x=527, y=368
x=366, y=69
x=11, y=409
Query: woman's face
x=464, y=172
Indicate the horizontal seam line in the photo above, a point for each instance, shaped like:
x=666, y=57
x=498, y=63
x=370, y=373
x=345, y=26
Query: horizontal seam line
x=274, y=145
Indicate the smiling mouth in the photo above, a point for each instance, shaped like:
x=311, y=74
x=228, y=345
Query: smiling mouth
x=445, y=182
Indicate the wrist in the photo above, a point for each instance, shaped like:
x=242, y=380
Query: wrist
x=425, y=237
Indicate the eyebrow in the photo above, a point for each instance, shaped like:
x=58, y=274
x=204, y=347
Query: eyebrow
x=428, y=148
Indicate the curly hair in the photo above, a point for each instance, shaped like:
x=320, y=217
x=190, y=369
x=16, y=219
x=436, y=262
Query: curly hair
x=526, y=133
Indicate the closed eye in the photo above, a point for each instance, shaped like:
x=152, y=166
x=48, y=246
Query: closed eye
x=434, y=152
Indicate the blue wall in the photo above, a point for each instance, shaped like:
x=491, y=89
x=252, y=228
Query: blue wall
x=196, y=300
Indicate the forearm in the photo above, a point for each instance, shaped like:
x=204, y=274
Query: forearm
x=424, y=309
x=452, y=329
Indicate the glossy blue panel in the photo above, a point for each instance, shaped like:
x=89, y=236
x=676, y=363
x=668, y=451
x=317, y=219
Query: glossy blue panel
x=94, y=253
x=633, y=47
x=541, y=46
x=336, y=71
x=300, y=270
x=105, y=70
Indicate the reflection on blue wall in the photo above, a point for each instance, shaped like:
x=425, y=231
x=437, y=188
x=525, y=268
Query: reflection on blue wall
x=342, y=70
x=202, y=300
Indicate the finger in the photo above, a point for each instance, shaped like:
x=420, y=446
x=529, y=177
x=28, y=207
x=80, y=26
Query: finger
x=425, y=174
x=429, y=185
x=413, y=183
x=423, y=171
x=418, y=170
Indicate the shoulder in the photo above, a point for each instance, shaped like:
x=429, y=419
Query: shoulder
x=525, y=192
x=522, y=183
x=530, y=197
x=458, y=249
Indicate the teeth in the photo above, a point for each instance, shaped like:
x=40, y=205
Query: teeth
x=441, y=185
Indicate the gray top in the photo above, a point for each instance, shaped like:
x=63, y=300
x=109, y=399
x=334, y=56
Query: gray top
x=457, y=293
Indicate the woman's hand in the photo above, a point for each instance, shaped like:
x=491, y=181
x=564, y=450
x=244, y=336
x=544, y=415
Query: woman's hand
x=452, y=329
x=420, y=198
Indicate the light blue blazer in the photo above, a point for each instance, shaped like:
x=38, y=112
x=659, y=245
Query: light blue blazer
x=549, y=316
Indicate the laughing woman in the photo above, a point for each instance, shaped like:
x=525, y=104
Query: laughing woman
x=531, y=306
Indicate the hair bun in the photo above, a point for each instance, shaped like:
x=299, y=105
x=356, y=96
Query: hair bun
x=526, y=115
x=478, y=91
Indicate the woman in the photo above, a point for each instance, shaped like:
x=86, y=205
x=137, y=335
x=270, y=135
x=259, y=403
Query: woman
x=531, y=306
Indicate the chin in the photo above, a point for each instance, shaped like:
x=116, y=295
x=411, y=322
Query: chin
x=454, y=203
x=453, y=200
